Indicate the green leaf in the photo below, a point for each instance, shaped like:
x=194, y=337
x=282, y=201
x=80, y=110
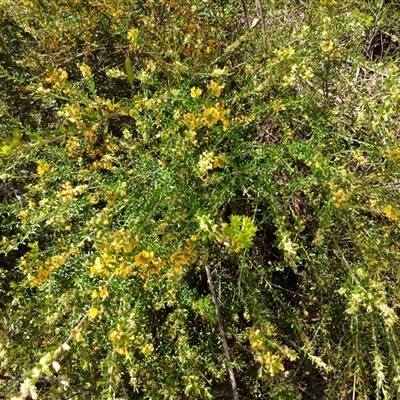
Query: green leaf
x=235, y=222
x=27, y=374
x=129, y=70
x=6, y=150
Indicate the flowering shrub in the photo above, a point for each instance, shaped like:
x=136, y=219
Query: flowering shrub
x=144, y=141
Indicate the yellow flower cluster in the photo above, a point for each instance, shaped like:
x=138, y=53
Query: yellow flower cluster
x=57, y=77
x=327, y=46
x=147, y=349
x=215, y=88
x=271, y=363
x=24, y=216
x=85, y=70
x=191, y=120
x=133, y=35
x=102, y=293
x=340, y=198
x=195, y=92
x=116, y=335
x=119, y=340
x=222, y=115
x=278, y=105
x=126, y=335
x=116, y=250
x=148, y=264
x=284, y=53
x=390, y=213
x=70, y=111
x=115, y=73
x=124, y=269
x=74, y=147
x=373, y=299
x=210, y=116
x=102, y=265
x=106, y=162
x=93, y=313
x=44, y=271
x=182, y=257
x=394, y=154
x=206, y=162
x=41, y=276
x=144, y=258
x=67, y=194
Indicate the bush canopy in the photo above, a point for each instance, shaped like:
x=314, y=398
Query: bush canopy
x=199, y=199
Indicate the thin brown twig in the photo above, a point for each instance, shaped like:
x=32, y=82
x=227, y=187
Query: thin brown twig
x=246, y=16
x=263, y=25
x=222, y=334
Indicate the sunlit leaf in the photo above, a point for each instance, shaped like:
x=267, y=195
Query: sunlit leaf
x=129, y=70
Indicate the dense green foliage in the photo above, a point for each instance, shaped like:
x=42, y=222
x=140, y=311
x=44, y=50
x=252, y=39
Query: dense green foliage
x=144, y=140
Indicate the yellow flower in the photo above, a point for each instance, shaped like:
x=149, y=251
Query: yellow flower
x=93, y=313
x=278, y=105
x=122, y=351
x=272, y=363
x=133, y=35
x=284, y=52
x=210, y=116
x=115, y=73
x=215, y=88
x=212, y=85
x=308, y=73
x=327, y=46
x=42, y=168
x=97, y=268
x=111, y=106
x=147, y=349
x=191, y=121
x=390, y=213
x=144, y=258
x=23, y=213
x=394, y=154
x=206, y=162
x=115, y=336
x=103, y=293
x=57, y=75
x=340, y=197
x=123, y=271
x=85, y=70
x=289, y=80
x=195, y=92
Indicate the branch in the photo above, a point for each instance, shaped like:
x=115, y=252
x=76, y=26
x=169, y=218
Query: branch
x=245, y=14
x=263, y=25
x=222, y=334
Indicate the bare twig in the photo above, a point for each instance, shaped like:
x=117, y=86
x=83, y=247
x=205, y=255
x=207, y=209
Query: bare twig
x=246, y=16
x=222, y=334
x=263, y=26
